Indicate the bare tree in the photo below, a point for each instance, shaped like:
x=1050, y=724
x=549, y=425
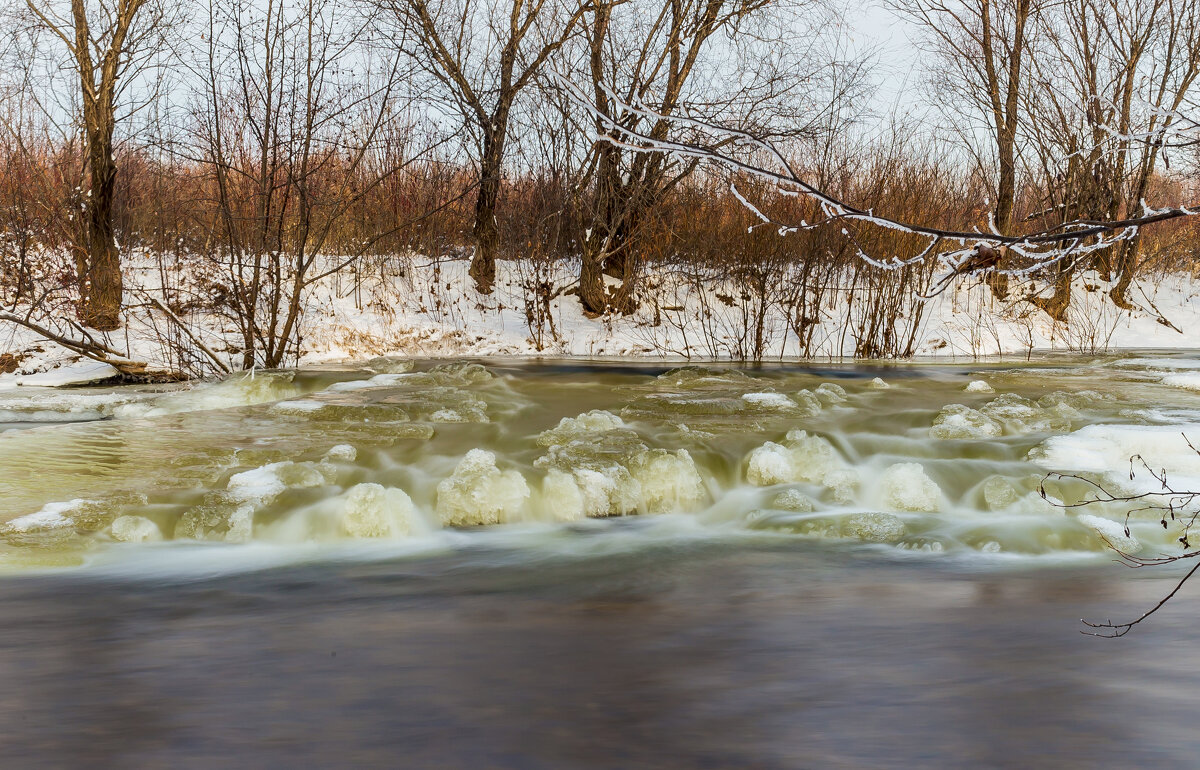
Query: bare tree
x=982, y=48
x=107, y=42
x=293, y=126
x=486, y=55
x=1111, y=81
x=660, y=56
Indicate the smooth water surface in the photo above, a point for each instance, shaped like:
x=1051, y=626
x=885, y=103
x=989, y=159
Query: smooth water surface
x=566, y=565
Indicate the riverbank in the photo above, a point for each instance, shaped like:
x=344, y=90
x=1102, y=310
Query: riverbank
x=429, y=309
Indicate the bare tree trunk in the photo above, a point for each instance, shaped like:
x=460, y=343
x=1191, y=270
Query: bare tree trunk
x=592, y=294
x=487, y=234
x=102, y=298
x=1057, y=304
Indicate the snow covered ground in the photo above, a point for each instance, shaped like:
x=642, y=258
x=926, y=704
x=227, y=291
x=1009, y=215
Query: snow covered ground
x=429, y=308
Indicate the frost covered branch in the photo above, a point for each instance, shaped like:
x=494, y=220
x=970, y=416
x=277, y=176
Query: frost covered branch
x=958, y=251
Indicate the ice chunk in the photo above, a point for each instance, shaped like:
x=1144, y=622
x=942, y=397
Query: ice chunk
x=608, y=490
x=669, y=481
x=808, y=403
x=999, y=493
x=1113, y=532
x=299, y=406
x=390, y=365
x=261, y=485
x=906, y=487
x=51, y=516
x=842, y=482
x=879, y=384
x=562, y=497
x=873, y=527
x=239, y=390
x=1020, y=415
x=372, y=510
x=793, y=500
x=230, y=515
x=135, y=529
x=831, y=393
x=979, y=386
x=82, y=372
x=958, y=421
x=776, y=402
x=770, y=464
x=568, y=428
x=801, y=457
x=480, y=493
x=1183, y=380
x=1106, y=449
x=341, y=452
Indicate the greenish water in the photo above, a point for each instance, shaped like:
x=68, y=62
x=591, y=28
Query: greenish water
x=399, y=458
x=560, y=564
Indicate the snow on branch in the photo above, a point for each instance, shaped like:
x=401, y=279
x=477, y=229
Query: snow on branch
x=958, y=251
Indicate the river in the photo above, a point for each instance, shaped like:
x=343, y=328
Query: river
x=565, y=564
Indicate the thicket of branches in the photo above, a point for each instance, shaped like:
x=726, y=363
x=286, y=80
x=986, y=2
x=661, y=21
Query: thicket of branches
x=253, y=149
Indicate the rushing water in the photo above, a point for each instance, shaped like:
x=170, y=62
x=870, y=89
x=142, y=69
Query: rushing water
x=560, y=564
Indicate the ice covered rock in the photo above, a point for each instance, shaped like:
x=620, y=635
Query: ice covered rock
x=831, y=393
x=873, y=527
x=341, y=453
x=793, y=500
x=906, y=487
x=372, y=510
x=808, y=403
x=1113, y=532
x=50, y=516
x=244, y=389
x=979, y=386
x=561, y=496
x=135, y=529
x=390, y=365
x=669, y=481
x=999, y=493
x=588, y=423
x=771, y=402
x=801, y=457
x=480, y=493
x=958, y=421
x=1020, y=415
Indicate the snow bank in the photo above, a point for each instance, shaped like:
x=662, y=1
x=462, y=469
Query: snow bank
x=431, y=309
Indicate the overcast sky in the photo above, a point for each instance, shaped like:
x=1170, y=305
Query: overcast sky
x=873, y=27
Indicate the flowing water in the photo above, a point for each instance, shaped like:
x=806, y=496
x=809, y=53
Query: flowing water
x=565, y=564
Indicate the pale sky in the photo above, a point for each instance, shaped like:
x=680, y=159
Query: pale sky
x=873, y=27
